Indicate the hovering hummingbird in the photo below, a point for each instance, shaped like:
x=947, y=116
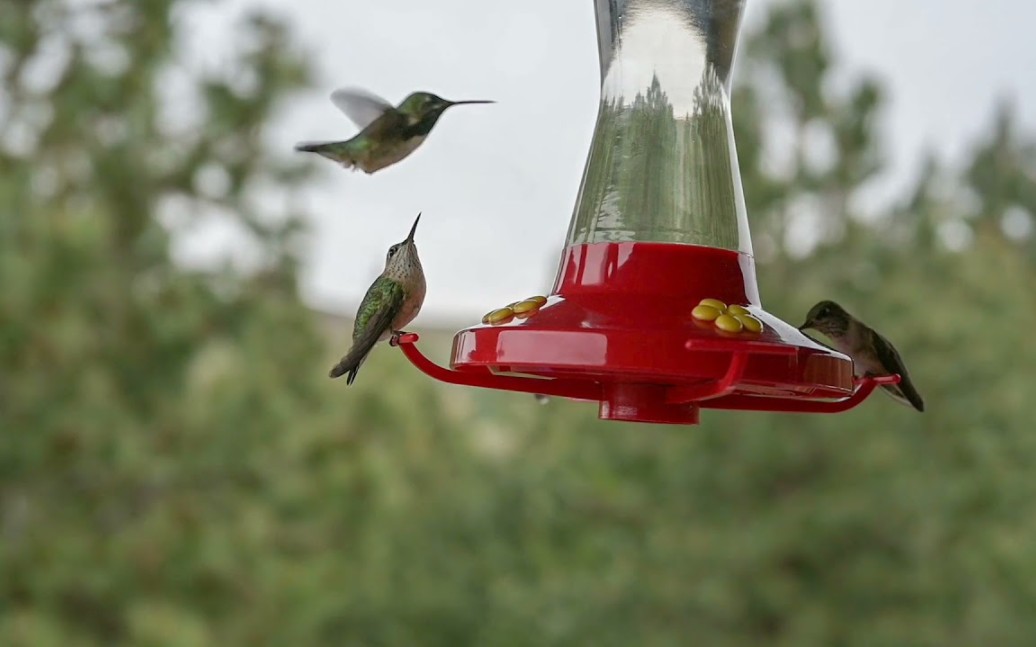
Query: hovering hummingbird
x=391, y=302
x=388, y=134
x=872, y=354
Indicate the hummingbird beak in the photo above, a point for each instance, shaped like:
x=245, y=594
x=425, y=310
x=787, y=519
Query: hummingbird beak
x=410, y=237
x=806, y=326
x=461, y=103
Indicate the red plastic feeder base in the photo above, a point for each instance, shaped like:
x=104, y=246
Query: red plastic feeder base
x=619, y=330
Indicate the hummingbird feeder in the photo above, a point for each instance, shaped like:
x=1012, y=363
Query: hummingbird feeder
x=655, y=312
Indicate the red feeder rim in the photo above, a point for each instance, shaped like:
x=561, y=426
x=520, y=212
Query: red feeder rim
x=592, y=392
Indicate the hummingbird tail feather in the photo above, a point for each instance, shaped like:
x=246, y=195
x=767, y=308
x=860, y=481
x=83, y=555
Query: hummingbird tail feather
x=334, y=151
x=906, y=387
x=349, y=364
x=908, y=396
x=354, y=359
x=310, y=147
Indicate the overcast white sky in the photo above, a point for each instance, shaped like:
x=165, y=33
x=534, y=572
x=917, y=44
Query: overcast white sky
x=497, y=183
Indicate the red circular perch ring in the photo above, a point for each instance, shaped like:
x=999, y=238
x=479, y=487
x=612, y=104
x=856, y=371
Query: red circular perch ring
x=617, y=330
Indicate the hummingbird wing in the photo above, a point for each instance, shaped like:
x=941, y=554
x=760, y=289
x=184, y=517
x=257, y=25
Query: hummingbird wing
x=893, y=363
x=359, y=105
x=383, y=300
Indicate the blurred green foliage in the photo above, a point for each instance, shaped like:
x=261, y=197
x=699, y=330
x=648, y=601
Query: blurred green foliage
x=175, y=468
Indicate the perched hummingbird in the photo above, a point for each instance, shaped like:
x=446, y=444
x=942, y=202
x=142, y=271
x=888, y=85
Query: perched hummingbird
x=388, y=133
x=391, y=302
x=872, y=354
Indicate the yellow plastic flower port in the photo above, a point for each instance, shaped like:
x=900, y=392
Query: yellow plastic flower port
x=525, y=306
x=728, y=323
x=750, y=323
x=729, y=319
x=498, y=316
x=704, y=312
x=521, y=309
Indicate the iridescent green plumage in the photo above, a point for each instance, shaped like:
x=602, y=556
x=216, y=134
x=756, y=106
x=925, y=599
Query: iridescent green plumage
x=373, y=321
x=389, y=134
x=391, y=302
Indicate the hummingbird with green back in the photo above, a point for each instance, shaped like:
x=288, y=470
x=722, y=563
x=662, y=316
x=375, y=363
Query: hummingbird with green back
x=872, y=354
x=388, y=133
x=391, y=302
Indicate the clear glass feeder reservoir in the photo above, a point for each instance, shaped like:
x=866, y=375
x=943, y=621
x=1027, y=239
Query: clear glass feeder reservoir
x=659, y=226
x=663, y=166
